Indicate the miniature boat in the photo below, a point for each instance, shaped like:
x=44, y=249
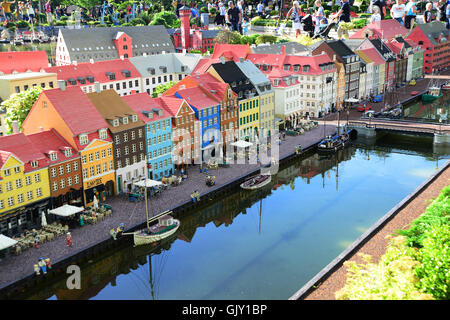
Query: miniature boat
x=256, y=182
x=165, y=227
x=446, y=86
x=332, y=144
x=432, y=94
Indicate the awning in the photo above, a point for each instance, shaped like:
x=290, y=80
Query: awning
x=351, y=100
x=6, y=242
x=241, y=144
x=149, y=182
x=66, y=210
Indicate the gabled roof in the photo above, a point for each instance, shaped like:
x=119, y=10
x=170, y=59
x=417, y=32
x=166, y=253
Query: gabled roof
x=76, y=110
x=96, y=41
x=197, y=97
x=50, y=140
x=20, y=146
x=141, y=103
x=292, y=48
x=203, y=65
x=259, y=80
x=23, y=61
x=340, y=48
x=230, y=73
x=97, y=70
x=208, y=82
x=373, y=55
x=111, y=106
x=395, y=47
x=384, y=29
x=231, y=51
x=434, y=30
x=153, y=65
x=382, y=48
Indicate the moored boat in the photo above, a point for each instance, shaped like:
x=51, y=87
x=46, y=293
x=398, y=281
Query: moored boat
x=332, y=144
x=165, y=227
x=256, y=182
x=446, y=86
x=432, y=94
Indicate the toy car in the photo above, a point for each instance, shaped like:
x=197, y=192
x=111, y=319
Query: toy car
x=414, y=93
x=377, y=98
x=364, y=108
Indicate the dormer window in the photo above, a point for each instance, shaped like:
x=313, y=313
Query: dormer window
x=276, y=82
x=68, y=152
x=134, y=118
x=115, y=123
x=84, y=139
x=53, y=156
x=34, y=164
x=296, y=67
x=287, y=67
x=103, y=134
x=125, y=120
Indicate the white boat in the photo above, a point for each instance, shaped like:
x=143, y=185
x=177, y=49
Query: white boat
x=256, y=182
x=165, y=227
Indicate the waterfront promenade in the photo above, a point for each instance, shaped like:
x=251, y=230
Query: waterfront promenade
x=377, y=243
x=131, y=214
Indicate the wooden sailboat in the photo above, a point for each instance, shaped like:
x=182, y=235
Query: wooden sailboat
x=165, y=226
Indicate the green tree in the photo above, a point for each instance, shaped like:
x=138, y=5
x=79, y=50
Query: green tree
x=162, y=88
x=85, y=4
x=226, y=36
x=19, y=105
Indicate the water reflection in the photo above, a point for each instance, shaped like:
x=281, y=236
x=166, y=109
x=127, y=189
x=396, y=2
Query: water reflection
x=433, y=111
x=145, y=266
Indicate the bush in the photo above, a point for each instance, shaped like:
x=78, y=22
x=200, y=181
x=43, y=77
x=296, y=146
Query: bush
x=204, y=10
x=359, y=23
x=265, y=38
x=22, y=24
x=137, y=21
x=166, y=18
x=213, y=11
x=60, y=23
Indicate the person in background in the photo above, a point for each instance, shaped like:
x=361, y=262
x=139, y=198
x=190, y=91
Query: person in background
x=447, y=13
x=30, y=11
x=398, y=12
x=245, y=26
x=343, y=15
x=427, y=16
x=48, y=12
x=234, y=16
x=375, y=15
x=381, y=4
x=222, y=13
x=195, y=14
x=319, y=15
x=260, y=9
x=296, y=18
x=6, y=6
x=411, y=12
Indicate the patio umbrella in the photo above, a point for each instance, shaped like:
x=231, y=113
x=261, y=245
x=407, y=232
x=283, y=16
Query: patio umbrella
x=95, y=202
x=43, y=219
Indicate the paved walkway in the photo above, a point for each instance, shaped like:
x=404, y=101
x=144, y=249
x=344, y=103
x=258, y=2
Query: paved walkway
x=377, y=244
x=16, y=267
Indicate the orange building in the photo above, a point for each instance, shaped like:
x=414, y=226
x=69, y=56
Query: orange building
x=70, y=112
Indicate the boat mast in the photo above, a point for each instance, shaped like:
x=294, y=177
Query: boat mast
x=151, y=276
x=145, y=195
x=260, y=211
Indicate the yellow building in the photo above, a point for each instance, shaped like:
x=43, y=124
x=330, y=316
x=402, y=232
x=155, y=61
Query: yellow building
x=24, y=184
x=18, y=82
x=97, y=167
x=249, y=118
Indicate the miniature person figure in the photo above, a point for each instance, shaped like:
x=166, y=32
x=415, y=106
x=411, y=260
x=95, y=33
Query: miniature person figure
x=113, y=234
x=36, y=242
x=69, y=242
x=47, y=262
x=120, y=229
x=37, y=271
x=81, y=221
x=194, y=199
x=42, y=265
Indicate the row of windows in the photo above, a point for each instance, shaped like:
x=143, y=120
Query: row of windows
x=129, y=161
x=248, y=105
x=62, y=183
x=209, y=122
x=228, y=115
x=159, y=165
x=17, y=89
x=97, y=170
x=158, y=139
x=152, y=127
x=126, y=149
x=248, y=119
x=97, y=155
x=117, y=139
x=9, y=184
x=61, y=171
x=21, y=198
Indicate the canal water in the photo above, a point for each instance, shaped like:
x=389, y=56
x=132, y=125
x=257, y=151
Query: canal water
x=265, y=244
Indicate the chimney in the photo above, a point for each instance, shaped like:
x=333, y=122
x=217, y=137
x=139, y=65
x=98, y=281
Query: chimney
x=62, y=84
x=283, y=50
x=97, y=86
x=144, y=54
x=241, y=59
x=334, y=57
x=222, y=59
x=15, y=126
x=91, y=61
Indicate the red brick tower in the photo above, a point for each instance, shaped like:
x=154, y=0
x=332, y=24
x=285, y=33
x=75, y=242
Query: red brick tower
x=185, y=15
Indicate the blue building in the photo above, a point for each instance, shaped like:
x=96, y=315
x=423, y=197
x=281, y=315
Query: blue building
x=207, y=112
x=158, y=133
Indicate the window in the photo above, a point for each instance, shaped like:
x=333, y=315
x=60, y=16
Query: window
x=62, y=183
x=55, y=186
x=92, y=171
x=19, y=183
x=125, y=137
x=83, y=159
x=97, y=155
x=83, y=139
x=10, y=201
x=61, y=170
x=103, y=134
x=99, y=170
x=38, y=192
x=29, y=195
x=77, y=179
x=37, y=177
x=53, y=156
x=27, y=180
x=91, y=157
x=69, y=181
x=75, y=166
x=133, y=135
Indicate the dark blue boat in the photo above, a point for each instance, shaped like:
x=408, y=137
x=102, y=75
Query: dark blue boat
x=334, y=143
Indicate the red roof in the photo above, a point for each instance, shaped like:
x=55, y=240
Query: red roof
x=208, y=82
x=143, y=102
x=22, y=61
x=76, y=110
x=203, y=65
x=383, y=29
x=373, y=55
x=396, y=47
x=97, y=69
x=50, y=140
x=230, y=51
x=198, y=98
x=19, y=145
x=172, y=104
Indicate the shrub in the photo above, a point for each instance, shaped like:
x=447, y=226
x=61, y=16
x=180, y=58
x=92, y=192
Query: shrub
x=60, y=23
x=204, y=10
x=22, y=24
x=166, y=18
x=137, y=21
x=359, y=23
x=213, y=11
x=265, y=38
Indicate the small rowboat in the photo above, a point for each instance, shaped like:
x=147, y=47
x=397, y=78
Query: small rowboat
x=256, y=182
x=165, y=227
